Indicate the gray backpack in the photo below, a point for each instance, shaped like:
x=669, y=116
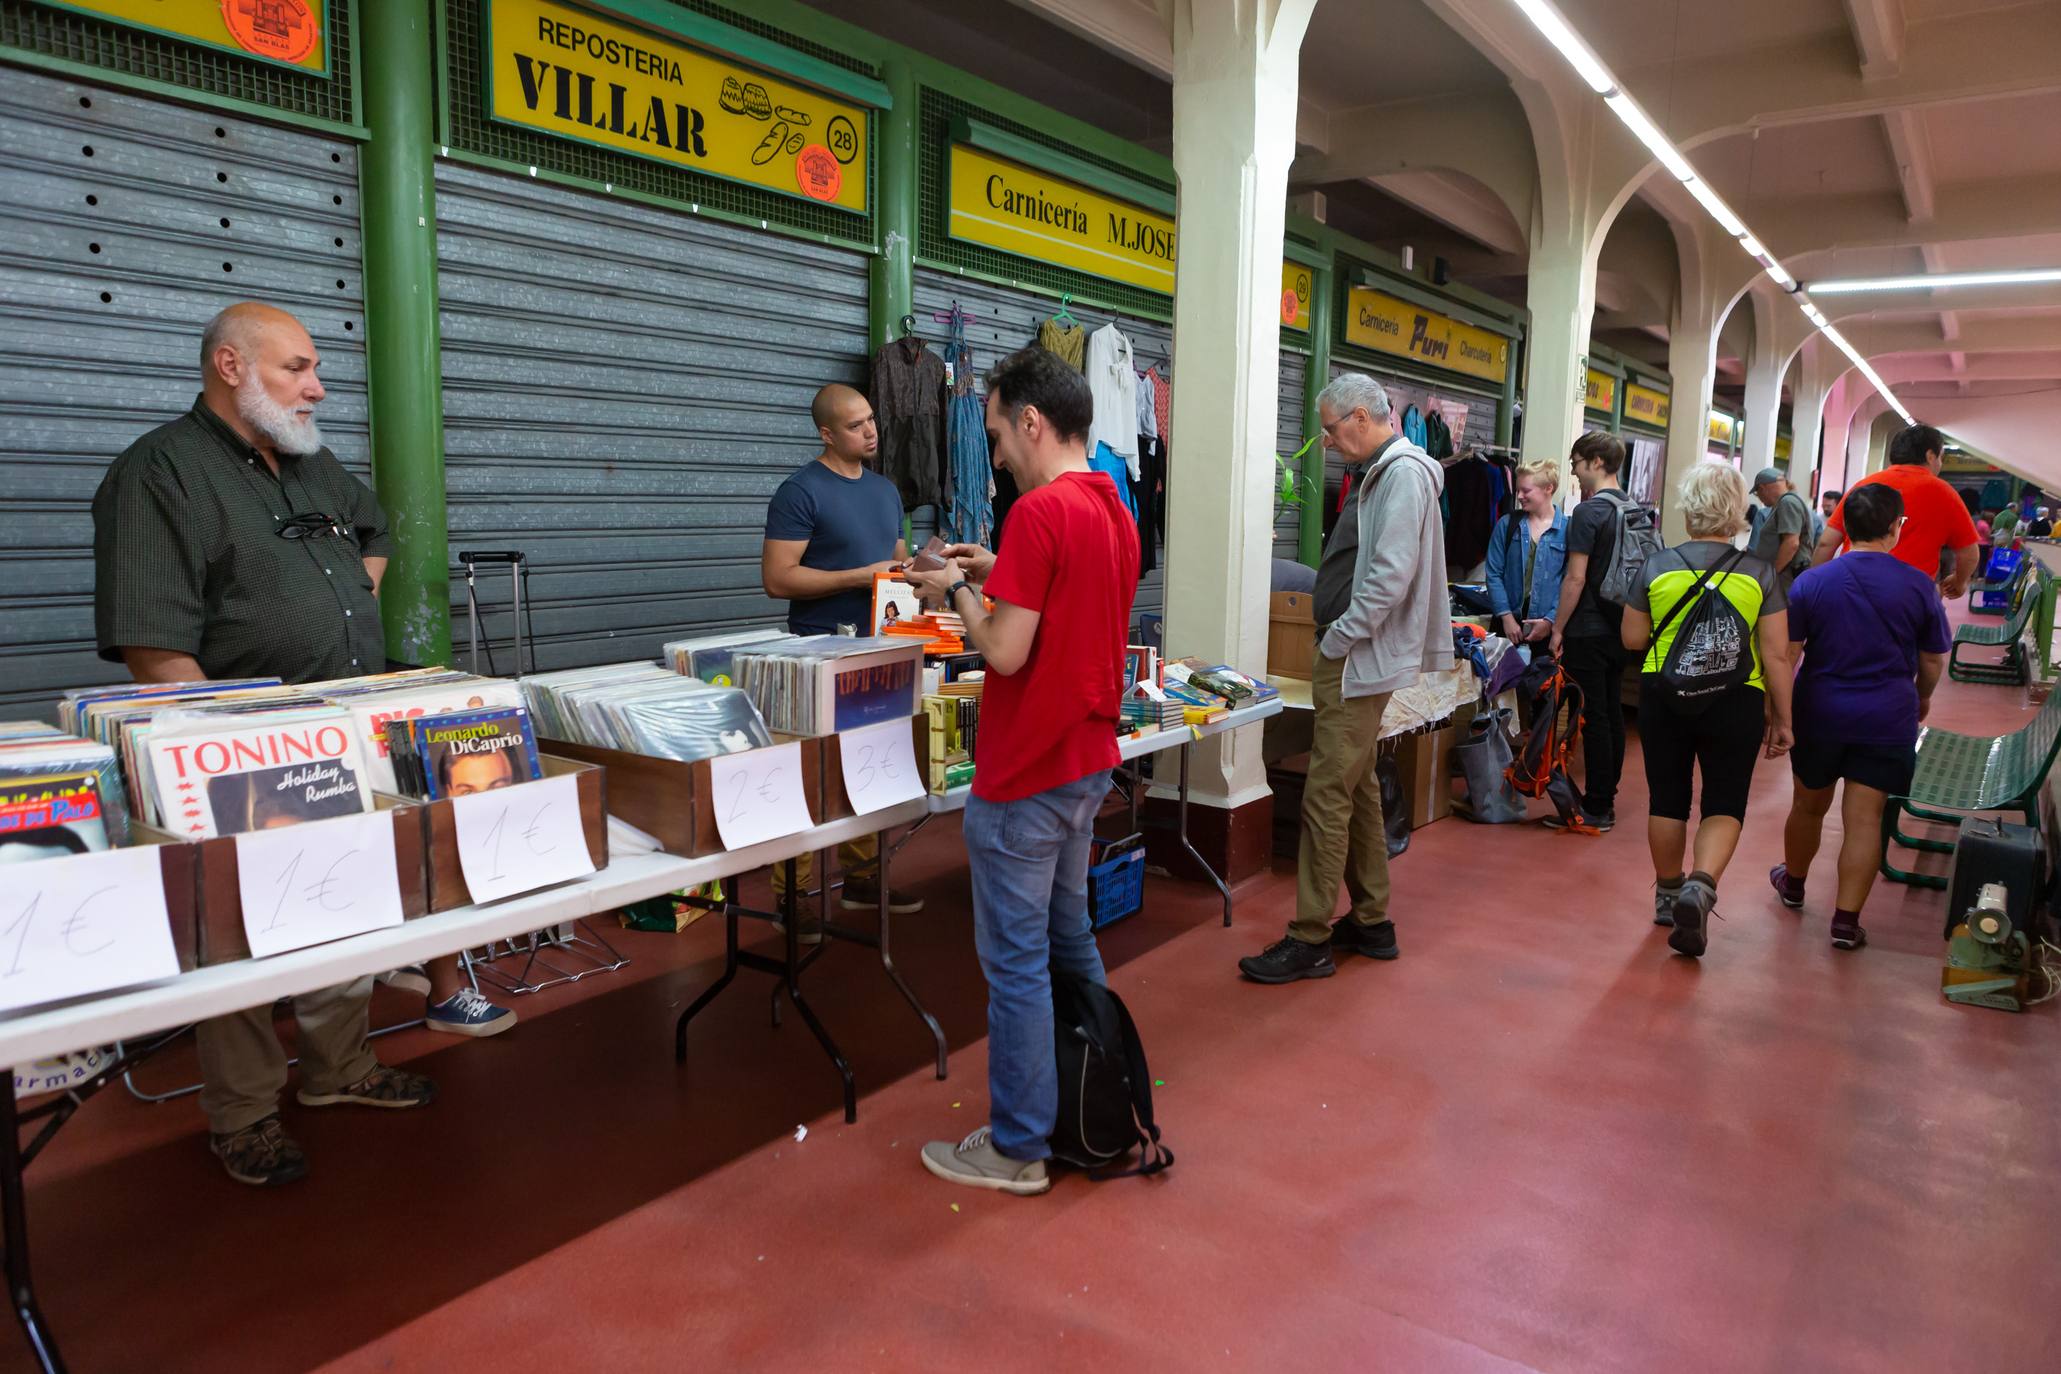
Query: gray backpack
x=1636, y=541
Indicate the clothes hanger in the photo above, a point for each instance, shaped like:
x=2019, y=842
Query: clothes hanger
x=908, y=326
x=1063, y=315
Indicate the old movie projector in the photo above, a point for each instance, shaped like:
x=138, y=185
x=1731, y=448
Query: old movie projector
x=1997, y=951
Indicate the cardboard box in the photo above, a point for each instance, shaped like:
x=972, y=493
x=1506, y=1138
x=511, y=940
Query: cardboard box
x=1291, y=634
x=1425, y=763
x=206, y=904
x=447, y=889
x=672, y=801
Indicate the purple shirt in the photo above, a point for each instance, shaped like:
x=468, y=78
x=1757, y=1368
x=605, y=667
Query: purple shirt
x=1863, y=619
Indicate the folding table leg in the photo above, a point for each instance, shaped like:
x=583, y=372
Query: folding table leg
x=887, y=962
x=730, y=964
x=1201, y=862
x=20, y=1288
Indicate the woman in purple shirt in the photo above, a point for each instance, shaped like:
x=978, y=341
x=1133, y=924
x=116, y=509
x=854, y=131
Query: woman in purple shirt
x=1875, y=639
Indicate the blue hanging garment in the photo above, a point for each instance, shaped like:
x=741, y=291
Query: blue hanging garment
x=1105, y=459
x=969, y=518
x=1413, y=426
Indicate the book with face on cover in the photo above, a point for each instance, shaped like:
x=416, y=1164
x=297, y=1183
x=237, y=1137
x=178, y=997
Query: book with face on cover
x=372, y=707
x=224, y=774
x=461, y=753
x=51, y=817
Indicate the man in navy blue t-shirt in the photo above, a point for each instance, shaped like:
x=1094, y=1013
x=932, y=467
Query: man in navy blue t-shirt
x=1875, y=639
x=831, y=526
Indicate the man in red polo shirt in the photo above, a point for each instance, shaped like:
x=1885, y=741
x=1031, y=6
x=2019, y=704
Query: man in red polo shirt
x=1054, y=648
x=1936, y=520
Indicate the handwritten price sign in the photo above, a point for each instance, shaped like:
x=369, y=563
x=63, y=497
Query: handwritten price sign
x=317, y=881
x=759, y=796
x=84, y=924
x=879, y=765
x=517, y=839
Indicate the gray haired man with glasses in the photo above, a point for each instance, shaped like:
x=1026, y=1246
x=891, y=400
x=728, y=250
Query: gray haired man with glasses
x=1384, y=618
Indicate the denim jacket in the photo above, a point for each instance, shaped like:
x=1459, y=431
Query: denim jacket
x=1507, y=552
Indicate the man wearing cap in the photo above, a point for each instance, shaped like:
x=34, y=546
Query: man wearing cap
x=1780, y=540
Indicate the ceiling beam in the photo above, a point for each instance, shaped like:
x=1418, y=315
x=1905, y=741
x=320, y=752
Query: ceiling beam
x=1461, y=204
x=1980, y=56
x=1962, y=212
x=1878, y=34
x=2005, y=334
x=1911, y=150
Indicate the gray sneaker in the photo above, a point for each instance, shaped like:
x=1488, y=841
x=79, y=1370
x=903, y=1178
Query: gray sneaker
x=976, y=1163
x=1693, y=905
x=1664, y=903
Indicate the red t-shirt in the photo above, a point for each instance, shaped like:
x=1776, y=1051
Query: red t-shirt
x=1071, y=556
x=1935, y=516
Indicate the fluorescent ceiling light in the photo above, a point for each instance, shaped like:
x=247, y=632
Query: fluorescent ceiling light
x=1547, y=21
x=1753, y=246
x=1719, y=211
x=2026, y=277
x=1648, y=133
x=1781, y=277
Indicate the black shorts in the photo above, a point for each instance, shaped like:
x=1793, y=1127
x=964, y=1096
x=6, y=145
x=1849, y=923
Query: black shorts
x=1885, y=767
x=1722, y=742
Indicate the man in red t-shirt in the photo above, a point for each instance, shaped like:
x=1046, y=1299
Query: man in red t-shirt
x=1936, y=519
x=1054, y=648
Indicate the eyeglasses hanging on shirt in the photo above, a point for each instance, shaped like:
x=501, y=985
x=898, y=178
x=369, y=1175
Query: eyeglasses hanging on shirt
x=307, y=525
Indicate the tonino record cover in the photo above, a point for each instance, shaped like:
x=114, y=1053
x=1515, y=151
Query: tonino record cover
x=50, y=817
x=258, y=776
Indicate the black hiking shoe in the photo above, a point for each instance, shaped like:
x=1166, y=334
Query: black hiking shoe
x=1376, y=941
x=1288, y=959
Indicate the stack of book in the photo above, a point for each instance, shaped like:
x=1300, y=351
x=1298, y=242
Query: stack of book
x=952, y=724
x=708, y=657
x=643, y=708
x=822, y=684
x=1221, y=680
x=458, y=753
x=1147, y=709
x=1198, y=706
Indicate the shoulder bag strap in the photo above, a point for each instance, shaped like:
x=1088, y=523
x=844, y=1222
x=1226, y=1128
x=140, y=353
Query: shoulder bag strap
x=1694, y=593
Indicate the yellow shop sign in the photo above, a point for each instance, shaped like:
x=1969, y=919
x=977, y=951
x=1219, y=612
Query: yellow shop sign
x=290, y=32
x=1643, y=405
x=1783, y=448
x=1388, y=325
x=563, y=71
x=1720, y=428
x=1006, y=205
x=1295, y=295
x=1602, y=391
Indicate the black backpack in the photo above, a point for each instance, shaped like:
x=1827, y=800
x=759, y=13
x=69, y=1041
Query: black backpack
x=1105, y=1090
x=1713, y=651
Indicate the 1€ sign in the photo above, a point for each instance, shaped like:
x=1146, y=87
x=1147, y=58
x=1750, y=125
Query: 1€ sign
x=84, y=924
x=515, y=839
x=317, y=881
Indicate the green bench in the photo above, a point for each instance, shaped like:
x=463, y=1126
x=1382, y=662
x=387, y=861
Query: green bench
x=1980, y=595
x=2011, y=670
x=1959, y=775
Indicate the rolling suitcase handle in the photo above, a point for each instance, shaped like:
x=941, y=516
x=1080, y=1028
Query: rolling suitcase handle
x=523, y=630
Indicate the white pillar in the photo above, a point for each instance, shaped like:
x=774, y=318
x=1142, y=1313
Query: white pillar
x=1807, y=413
x=1235, y=70
x=1764, y=366
x=1560, y=292
x=1841, y=404
x=1692, y=363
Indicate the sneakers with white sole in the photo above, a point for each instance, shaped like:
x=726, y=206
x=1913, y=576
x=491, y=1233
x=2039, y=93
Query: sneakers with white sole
x=465, y=1012
x=975, y=1163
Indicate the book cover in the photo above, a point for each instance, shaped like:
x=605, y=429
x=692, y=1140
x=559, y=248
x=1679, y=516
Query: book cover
x=894, y=602
x=371, y=711
x=51, y=817
x=461, y=753
x=228, y=777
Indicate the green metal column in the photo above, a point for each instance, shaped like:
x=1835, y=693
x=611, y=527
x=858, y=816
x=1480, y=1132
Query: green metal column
x=397, y=188
x=1317, y=376
x=891, y=276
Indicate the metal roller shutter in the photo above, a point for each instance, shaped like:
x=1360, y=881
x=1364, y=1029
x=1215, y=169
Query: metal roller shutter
x=1003, y=319
x=624, y=389
x=126, y=223
x=1288, y=438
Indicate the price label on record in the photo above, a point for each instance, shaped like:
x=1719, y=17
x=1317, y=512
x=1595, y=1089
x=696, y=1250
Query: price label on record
x=317, y=881
x=517, y=839
x=879, y=764
x=758, y=795
x=83, y=924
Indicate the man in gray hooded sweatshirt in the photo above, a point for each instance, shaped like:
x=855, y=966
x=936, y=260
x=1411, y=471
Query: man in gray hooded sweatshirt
x=1384, y=618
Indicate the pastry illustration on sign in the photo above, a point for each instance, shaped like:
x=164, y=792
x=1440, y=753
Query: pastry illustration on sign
x=792, y=115
x=757, y=103
x=732, y=98
x=775, y=139
x=282, y=29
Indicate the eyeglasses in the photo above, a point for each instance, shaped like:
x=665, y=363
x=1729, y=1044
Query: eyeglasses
x=308, y=524
x=1332, y=429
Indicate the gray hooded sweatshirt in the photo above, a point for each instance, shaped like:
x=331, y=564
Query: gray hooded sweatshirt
x=1398, y=624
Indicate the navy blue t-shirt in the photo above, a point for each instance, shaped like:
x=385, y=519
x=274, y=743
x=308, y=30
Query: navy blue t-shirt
x=849, y=523
x=1863, y=619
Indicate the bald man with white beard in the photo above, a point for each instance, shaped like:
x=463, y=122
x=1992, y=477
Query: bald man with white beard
x=231, y=543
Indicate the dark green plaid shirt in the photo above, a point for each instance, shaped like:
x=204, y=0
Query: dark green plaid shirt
x=187, y=556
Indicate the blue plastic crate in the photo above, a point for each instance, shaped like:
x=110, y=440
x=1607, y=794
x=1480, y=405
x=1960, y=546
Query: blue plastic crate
x=1116, y=881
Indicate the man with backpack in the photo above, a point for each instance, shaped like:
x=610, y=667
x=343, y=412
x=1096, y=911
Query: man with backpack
x=1054, y=648
x=1608, y=537
x=1778, y=540
x=1384, y=619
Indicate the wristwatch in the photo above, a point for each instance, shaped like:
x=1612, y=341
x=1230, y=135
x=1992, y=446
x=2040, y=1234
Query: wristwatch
x=952, y=592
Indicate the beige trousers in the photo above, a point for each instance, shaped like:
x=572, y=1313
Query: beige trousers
x=243, y=1065
x=1342, y=837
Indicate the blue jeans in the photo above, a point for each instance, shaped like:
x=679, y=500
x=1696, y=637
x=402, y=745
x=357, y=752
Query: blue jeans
x=1030, y=915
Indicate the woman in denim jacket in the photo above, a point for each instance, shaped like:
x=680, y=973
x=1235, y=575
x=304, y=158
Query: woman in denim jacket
x=1526, y=556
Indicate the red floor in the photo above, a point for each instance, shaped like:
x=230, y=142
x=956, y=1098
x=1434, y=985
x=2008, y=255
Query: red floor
x=1536, y=1142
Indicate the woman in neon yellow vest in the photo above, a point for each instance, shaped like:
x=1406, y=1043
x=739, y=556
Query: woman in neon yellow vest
x=1715, y=725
